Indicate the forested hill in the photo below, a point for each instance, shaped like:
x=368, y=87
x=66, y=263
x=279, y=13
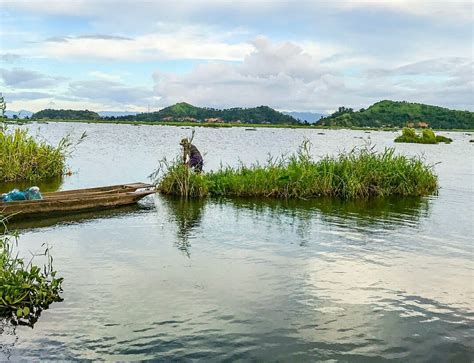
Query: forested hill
x=50, y=114
x=186, y=112
x=400, y=114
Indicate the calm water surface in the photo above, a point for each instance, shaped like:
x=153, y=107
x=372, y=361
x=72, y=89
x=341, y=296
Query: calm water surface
x=263, y=280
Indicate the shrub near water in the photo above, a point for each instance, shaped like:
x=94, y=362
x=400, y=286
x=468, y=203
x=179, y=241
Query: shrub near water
x=361, y=173
x=24, y=158
x=409, y=135
x=25, y=289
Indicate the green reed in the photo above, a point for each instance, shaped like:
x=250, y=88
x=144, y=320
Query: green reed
x=360, y=173
x=24, y=158
x=427, y=136
x=25, y=289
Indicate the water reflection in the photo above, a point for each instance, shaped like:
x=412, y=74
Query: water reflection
x=9, y=338
x=352, y=220
x=74, y=218
x=50, y=185
x=390, y=212
x=187, y=215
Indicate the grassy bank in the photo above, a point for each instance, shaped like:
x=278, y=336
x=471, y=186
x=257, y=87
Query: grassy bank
x=22, y=158
x=427, y=136
x=25, y=289
x=361, y=173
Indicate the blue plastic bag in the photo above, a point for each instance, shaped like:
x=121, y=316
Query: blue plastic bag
x=32, y=193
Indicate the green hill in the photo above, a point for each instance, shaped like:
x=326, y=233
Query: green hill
x=400, y=114
x=185, y=112
x=50, y=114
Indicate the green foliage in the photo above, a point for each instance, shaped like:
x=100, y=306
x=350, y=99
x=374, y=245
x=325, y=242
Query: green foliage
x=25, y=289
x=24, y=158
x=179, y=179
x=399, y=114
x=427, y=136
x=184, y=112
x=361, y=173
x=50, y=114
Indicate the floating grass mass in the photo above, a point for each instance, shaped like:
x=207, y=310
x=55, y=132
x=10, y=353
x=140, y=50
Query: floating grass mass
x=360, y=173
x=427, y=136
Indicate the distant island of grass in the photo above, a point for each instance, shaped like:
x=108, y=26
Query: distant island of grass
x=381, y=115
x=409, y=135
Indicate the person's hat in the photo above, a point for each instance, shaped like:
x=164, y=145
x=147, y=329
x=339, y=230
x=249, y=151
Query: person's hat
x=184, y=141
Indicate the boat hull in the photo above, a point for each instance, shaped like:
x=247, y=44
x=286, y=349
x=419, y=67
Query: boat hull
x=78, y=201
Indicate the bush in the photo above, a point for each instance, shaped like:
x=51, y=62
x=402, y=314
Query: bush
x=25, y=289
x=22, y=158
x=409, y=135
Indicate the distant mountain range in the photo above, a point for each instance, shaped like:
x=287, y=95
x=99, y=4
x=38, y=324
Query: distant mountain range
x=381, y=114
x=19, y=114
x=183, y=111
x=399, y=114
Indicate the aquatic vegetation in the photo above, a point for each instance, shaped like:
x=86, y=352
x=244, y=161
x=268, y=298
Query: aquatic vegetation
x=25, y=289
x=360, y=173
x=427, y=137
x=24, y=158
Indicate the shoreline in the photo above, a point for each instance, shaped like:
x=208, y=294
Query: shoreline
x=222, y=125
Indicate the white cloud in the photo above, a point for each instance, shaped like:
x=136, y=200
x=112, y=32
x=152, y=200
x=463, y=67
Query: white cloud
x=106, y=76
x=279, y=75
x=169, y=42
x=283, y=76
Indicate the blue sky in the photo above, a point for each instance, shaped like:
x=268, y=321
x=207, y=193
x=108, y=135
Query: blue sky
x=291, y=55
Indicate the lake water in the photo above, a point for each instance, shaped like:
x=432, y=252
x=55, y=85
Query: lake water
x=263, y=280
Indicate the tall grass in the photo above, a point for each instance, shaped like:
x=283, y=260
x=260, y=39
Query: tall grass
x=25, y=289
x=427, y=136
x=361, y=173
x=22, y=158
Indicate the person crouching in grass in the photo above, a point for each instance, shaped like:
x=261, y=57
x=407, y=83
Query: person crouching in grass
x=191, y=156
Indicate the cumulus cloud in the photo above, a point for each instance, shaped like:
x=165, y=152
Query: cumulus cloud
x=27, y=79
x=285, y=77
x=279, y=75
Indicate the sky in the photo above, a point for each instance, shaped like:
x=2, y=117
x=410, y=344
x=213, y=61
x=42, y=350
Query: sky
x=136, y=55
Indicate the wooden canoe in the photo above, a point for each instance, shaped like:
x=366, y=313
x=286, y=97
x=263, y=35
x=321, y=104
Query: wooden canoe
x=78, y=200
x=121, y=188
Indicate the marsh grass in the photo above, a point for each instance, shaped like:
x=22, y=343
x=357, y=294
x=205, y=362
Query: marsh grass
x=22, y=158
x=360, y=173
x=25, y=289
x=427, y=136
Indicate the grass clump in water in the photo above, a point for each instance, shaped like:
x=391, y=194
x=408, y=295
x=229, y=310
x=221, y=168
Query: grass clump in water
x=22, y=158
x=361, y=173
x=25, y=289
x=427, y=136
